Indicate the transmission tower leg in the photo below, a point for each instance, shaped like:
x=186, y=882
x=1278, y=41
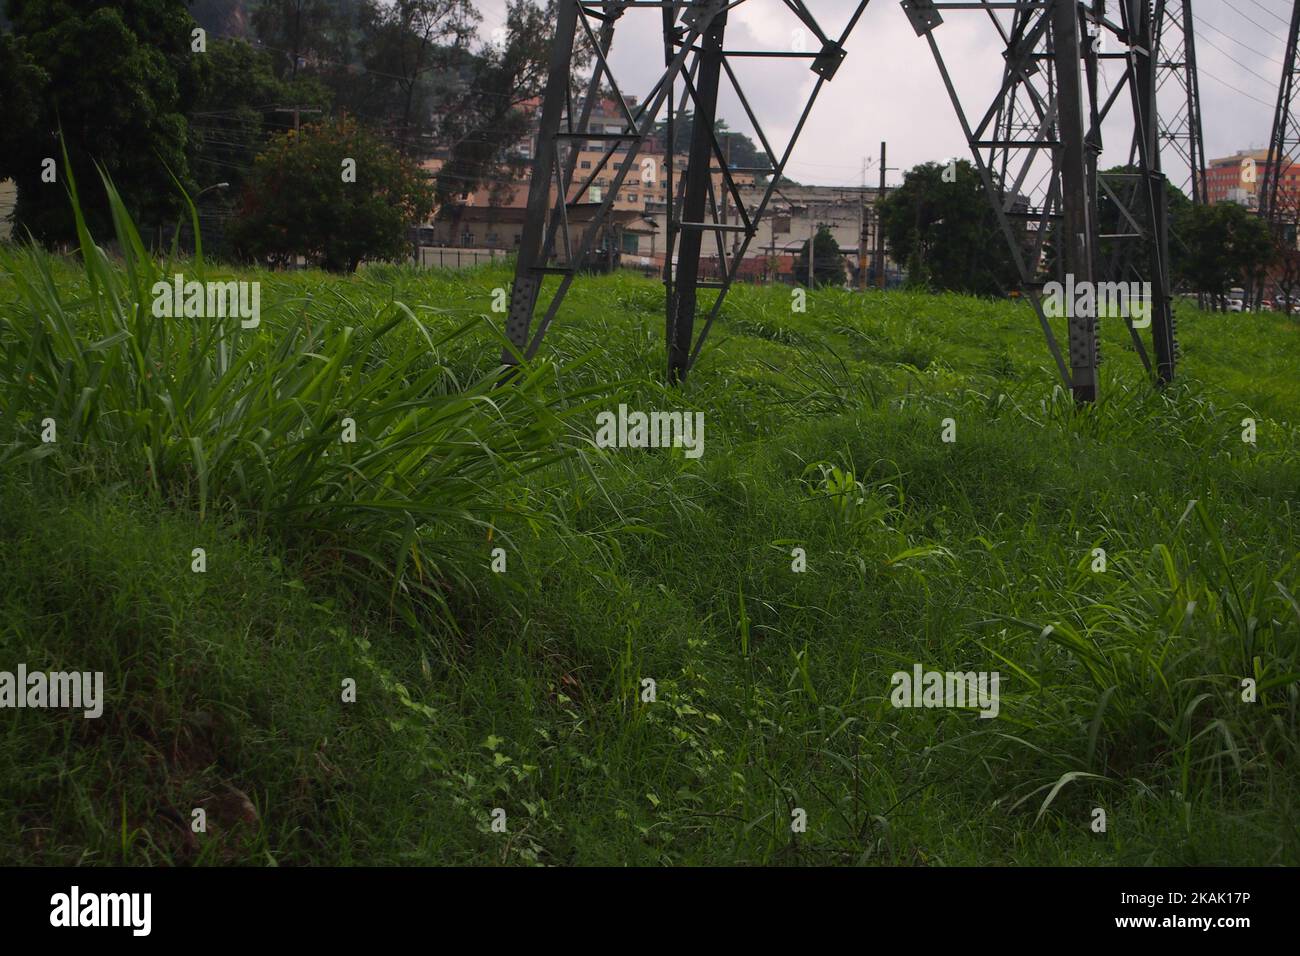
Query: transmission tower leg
x=681, y=304
x=1077, y=205
x=1147, y=136
x=532, y=259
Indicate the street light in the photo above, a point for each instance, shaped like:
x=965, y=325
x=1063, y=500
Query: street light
x=196, y=202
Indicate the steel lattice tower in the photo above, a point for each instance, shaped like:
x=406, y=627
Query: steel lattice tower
x=1177, y=84
x=1035, y=147
x=1279, y=206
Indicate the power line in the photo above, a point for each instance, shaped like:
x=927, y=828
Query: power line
x=1255, y=22
x=1204, y=72
x=1285, y=23
x=1206, y=41
x=1263, y=56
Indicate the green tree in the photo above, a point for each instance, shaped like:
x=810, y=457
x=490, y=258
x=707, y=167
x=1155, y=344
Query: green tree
x=1224, y=245
x=411, y=50
x=484, y=124
x=1282, y=281
x=298, y=202
x=306, y=35
x=230, y=123
x=828, y=261
x=744, y=152
x=947, y=232
x=1125, y=184
x=116, y=77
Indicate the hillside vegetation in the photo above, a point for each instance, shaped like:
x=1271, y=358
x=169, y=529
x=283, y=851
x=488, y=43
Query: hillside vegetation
x=523, y=690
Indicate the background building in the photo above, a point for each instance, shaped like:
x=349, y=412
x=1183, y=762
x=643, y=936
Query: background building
x=492, y=219
x=8, y=199
x=1241, y=177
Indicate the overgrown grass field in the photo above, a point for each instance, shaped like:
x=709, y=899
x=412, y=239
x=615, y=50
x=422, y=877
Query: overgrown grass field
x=523, y=690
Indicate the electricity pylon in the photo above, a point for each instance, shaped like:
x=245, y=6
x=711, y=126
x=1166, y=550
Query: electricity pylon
x=1036, y=149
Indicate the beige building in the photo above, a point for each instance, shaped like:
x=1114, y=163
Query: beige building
x=646, y=182
x=8, y=199
x=502, y=227
x=483, y=219
x=792, y=215
x=645, y=185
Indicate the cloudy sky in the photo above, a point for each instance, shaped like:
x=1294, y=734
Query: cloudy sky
x=890, y=89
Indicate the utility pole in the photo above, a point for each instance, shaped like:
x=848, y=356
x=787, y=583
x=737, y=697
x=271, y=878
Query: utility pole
x=862, y=238
x=880, y=223
x=296, y=110
x=812, y=242
x=723, y=218
x=735, y=238
x=862, y=230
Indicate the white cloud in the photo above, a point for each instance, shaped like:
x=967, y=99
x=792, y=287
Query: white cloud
x=890, y=89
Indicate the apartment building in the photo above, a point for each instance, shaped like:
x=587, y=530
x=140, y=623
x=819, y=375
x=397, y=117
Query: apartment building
x=1242, y=177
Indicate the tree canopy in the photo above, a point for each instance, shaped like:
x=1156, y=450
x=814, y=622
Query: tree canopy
x=946, y=232
x=333, y=194
x=115, y=80
x=1225, y=245
x=828, y=261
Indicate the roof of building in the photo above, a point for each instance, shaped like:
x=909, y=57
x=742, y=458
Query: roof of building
x=1259, y=155
x=574, y=212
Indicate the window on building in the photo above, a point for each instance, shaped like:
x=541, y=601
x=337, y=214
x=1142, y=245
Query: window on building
x=586, y=164
x=467, y=238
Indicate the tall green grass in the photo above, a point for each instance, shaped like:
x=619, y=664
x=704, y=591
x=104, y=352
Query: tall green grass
x=247, y=424
x=1122, y=689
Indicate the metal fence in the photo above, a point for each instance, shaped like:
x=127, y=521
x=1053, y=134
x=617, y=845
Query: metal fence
x=445, y=257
